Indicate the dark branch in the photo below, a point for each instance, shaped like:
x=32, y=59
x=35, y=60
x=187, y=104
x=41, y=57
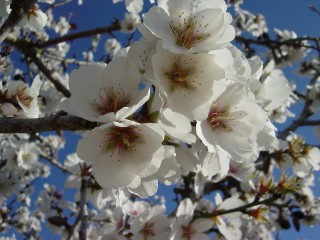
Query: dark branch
x=19, y=10
x=28, y=49
x=47, y=72
x=312, y=123
x=295, y=42
x=51, y=123
x=82, y=214
x=314, y=9
x=88, y=33
x=243, y=208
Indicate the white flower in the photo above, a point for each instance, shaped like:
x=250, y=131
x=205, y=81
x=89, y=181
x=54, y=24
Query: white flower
x=104, y=94
x=233, y=123
x=215, y=162
x=186, y=229
x=314, y=95
x=130, y=22
x=20, y=100
x=228, y=224
x=28, y=156
x=176, y=126
x=187, y=81
x=168, y=173
x=141, y=52
x=112, y=46
x=122, y=153
x=132, y=6
x=151, y=225
x=252, y=23
x=305, y=158
x=266, y=94
x=35, y=19
x=290, y=54
x=5, y=8
x=190, y=26
x=135, y=208
x=62, y=27
x=115, y=223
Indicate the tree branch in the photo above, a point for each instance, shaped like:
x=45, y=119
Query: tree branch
x=295, y=42
x=82, y=214
x=47, y=72
x=51, y=123
x=29, y=50
x=19, y=10
x=88, y=33
x=312, y=123
x=243, y=208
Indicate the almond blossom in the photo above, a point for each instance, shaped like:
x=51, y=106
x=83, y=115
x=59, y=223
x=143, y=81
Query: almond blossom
x=186, y=229
x=19, y=100
x=187, y=81
x=189, y=26
x=34, y=19
x=151, y=225
x=233, y=123
x=122, y=153
x=111, y=94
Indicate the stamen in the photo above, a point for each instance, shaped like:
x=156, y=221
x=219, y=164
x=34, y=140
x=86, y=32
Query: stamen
x=218, y=118
x=23, y=97
x=189, y=33
x=121, y=139
x=148, y=231
x=180, y=76
x=188, y=231
x=109, y=102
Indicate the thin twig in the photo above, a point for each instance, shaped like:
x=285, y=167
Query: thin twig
x=29, y=50
x=314, y=9
x=88, y=33
x=243, y=208
x=47, y=72
x=295, y=42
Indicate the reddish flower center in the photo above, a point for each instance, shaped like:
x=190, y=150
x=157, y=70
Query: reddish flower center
x=219, y=118
x=188, y=231
x=188, y=33
x=148, y=231
x=179, y=76
x=109, y=102
x=122, y=139
x=23, y=97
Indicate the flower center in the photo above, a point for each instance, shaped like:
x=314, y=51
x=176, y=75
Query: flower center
x=298, y=149
x=23, y=97
x=188, y=231
x=32, y=11
x=109, y=102
x=147, y=231
x=179, y=75
x=218, y=118
x=121, y=139
x=188, y=33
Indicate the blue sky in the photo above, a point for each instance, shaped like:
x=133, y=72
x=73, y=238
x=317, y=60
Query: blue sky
x=283, y=14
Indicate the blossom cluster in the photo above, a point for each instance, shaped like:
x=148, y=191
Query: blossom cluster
x=181, y=99
x=184, y=106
